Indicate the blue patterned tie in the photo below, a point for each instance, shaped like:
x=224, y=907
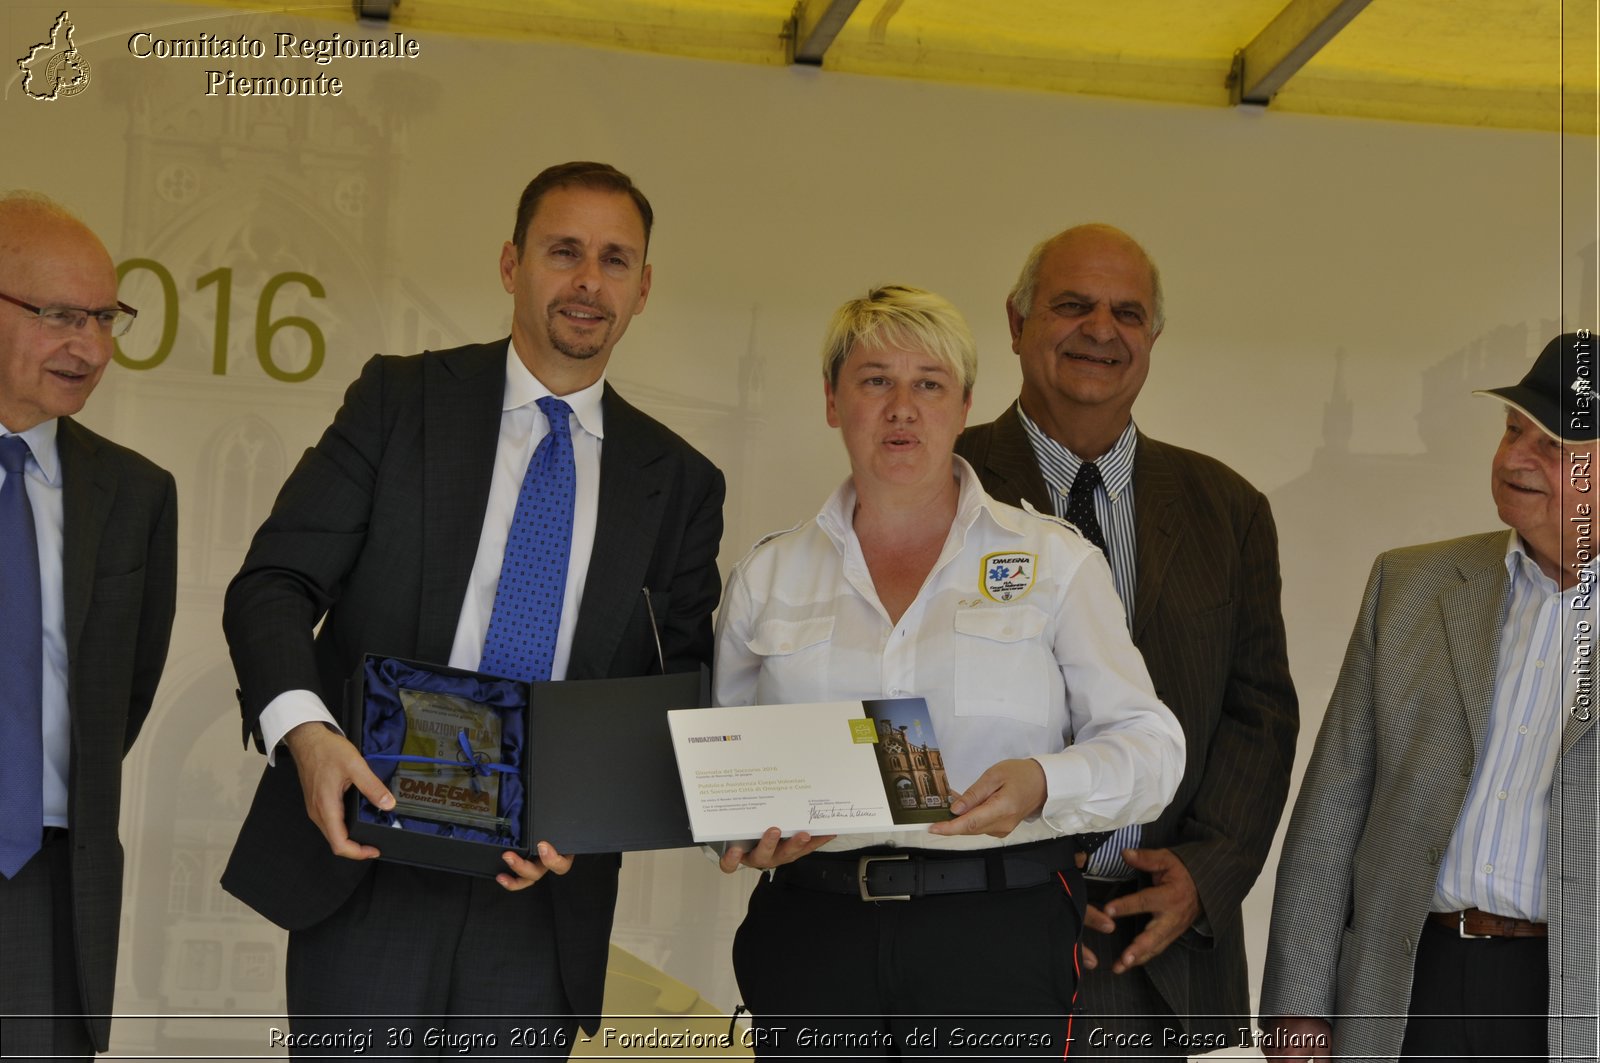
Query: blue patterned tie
x=521, y=641
x=21, y=669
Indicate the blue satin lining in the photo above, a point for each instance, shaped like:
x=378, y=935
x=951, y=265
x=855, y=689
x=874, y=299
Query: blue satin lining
x=385, y=731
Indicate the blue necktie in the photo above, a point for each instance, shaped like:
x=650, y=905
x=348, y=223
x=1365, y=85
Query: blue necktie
x=21, y=669
x=521, y=640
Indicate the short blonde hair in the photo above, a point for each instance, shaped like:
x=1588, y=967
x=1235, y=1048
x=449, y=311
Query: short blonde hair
x=899, y=315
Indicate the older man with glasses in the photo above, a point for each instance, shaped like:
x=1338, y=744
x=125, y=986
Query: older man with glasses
x=88, y=573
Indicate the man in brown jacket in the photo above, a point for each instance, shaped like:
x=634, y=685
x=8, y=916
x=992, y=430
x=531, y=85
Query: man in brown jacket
x=1194, y=553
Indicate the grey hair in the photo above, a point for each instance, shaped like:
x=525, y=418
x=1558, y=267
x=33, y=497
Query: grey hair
x=1022, y=293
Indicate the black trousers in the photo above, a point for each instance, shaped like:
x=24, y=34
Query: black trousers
x=38, y=964
x=966, y=975
x=1477, y=998
x=422, y=963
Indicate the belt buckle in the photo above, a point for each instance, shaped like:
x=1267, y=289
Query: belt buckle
x=1461, y=928
x=861, y=878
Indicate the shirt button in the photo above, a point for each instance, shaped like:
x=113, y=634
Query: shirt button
x=1522, y=730
x=1501, y=795
x=1538, y=664
x=1488, y=869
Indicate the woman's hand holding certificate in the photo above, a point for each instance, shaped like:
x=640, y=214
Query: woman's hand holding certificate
x=772, y=850
x=1003, y=796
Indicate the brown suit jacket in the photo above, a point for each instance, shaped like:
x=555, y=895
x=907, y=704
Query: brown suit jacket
x=1207, y=617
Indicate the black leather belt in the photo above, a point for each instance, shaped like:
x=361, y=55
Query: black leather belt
x=899, y=875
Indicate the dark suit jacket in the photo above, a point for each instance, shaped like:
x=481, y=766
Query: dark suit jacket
x=1207, y=618
x=377, y=528
x=119, y=579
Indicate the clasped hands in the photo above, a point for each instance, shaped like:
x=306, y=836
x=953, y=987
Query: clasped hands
x=1171, y=900
x=329, y=765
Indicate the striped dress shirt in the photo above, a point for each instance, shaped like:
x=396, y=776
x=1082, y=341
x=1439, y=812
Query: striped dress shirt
x=1113, y=508
x=1496, y=857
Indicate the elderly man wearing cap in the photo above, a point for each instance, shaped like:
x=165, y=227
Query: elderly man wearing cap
x=1437, y=891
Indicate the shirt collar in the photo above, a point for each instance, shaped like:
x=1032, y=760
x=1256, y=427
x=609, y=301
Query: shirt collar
x=1521, y=567
x=1060, y=466
x=524, y=389
x=41, y=440
x=838, y=513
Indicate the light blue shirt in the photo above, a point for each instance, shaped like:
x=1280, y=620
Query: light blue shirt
x=1496, y=857
x=42, y=477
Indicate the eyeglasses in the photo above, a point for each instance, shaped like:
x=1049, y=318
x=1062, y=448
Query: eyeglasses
x=113, y=320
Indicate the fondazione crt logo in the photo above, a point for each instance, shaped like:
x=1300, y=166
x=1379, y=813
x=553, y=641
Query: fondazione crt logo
x=54, y=69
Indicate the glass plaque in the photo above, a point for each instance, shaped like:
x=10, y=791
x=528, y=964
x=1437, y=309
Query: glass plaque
x=440, y=774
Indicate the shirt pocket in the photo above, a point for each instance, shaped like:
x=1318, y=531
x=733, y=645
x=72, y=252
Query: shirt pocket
x=1002, y=668
x=794, y=658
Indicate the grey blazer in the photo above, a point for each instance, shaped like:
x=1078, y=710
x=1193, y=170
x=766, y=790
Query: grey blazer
x=1208, y=620
x=1381, y=797
x=119, y=581
x=374, y=534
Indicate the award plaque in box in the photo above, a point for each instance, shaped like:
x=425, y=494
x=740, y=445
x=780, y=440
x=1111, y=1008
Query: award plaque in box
x=445, y=770
x=451, y=746
x=457, y=749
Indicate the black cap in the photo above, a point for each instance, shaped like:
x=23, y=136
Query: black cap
x=1559, y=391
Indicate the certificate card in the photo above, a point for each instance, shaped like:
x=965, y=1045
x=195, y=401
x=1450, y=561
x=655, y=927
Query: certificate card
x=841, y=767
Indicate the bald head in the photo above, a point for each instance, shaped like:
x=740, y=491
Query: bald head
x=1022, y=293
x=49, y=258
x=1084, y=317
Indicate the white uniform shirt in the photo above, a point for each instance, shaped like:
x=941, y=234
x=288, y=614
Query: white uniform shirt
x=1032, y=664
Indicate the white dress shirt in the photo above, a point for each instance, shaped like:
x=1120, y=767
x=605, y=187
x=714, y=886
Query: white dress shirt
x=522, y=426
x=41, y=478
x=1046, y=670
x=1496, y=857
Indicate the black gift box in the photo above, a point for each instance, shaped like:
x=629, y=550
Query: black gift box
x=598, y=773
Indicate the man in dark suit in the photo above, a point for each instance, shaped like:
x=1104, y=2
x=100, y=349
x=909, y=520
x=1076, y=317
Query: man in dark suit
x=88, y=574
x=1194, y=554
x=390, y=533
